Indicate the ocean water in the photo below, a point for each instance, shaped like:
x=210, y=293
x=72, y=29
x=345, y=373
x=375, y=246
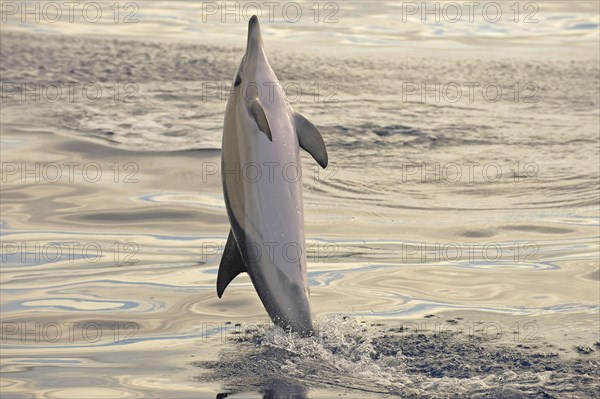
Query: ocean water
x=452, y=242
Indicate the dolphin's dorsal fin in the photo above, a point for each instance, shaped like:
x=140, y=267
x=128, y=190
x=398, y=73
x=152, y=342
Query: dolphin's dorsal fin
x=257, y=111
x=310, y=139
x=231, y=265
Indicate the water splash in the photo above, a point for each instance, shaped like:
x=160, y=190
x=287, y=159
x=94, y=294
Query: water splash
x=348, y=355
x=341, y=346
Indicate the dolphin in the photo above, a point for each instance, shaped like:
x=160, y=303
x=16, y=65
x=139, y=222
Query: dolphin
x=262, y=188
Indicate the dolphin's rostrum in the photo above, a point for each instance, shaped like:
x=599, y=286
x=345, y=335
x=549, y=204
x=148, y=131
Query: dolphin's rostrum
x=262, y=186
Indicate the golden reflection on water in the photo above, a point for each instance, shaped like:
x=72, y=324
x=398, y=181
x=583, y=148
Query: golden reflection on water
x=129, y=299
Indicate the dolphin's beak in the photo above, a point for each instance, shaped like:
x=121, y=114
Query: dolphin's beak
x=254, y=36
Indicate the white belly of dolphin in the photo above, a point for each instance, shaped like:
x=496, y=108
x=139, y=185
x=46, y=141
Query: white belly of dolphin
x=263, y=189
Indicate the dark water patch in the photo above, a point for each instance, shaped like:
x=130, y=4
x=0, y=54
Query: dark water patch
x=477, y=233
x=583, y=27
x=396, y=129
x=145, y=217
x=135, y=216
x=14, y=196
x=592, y=276
x=538, y=229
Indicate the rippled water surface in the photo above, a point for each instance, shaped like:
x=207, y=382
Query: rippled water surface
x=452, y=243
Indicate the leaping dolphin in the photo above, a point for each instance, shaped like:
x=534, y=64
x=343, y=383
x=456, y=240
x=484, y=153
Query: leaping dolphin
x=260, y=162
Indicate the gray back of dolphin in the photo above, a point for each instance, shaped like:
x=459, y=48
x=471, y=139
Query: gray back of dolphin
x=262, y=187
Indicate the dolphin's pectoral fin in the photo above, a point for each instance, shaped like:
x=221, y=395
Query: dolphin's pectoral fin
x=310, y=139
x=231, y=265
x=260, y=117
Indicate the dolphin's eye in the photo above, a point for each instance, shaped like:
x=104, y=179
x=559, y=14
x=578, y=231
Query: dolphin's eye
x=238, y=81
